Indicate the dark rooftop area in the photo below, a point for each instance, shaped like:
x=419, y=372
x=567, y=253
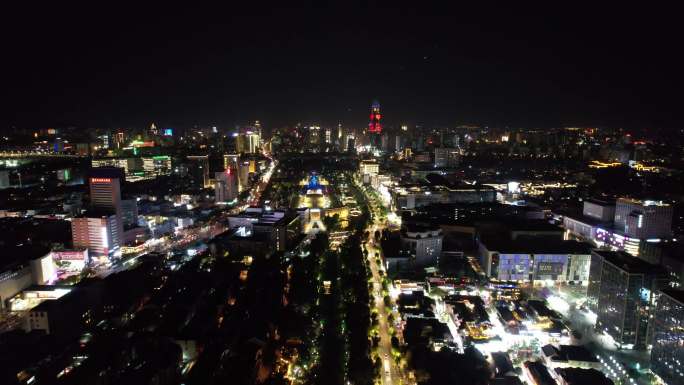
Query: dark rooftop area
x=628, y=262
x=579, y=376
x=13, y=255
x=536, y=246
x=677, y=295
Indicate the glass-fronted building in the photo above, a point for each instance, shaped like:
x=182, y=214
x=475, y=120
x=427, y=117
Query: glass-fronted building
x=667, y=354
x=624, y=291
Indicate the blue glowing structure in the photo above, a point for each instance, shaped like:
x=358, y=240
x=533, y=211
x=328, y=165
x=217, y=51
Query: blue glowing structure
x=313, y=183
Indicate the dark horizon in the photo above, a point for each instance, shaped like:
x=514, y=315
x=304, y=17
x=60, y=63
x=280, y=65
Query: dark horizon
x=507, y=66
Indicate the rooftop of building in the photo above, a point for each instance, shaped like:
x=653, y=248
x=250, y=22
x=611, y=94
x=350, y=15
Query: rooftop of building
x=241, y=234
x=96, y=213
x=266, y=217
x=627, y=262
x=76, y=296
x=478, y=313
x=107, y=172
x=677, y=295
x=569, y=353
x=14, y=256
x=420, y=330
x=435, y=186
x=419, y=228
x=527, y=245
x=579, y=217
x=601, y=202
x=541, y=309
x=502, y=363
x=540, y=373
x=507, y=380
x=643, y=202
x=531, y=225
x=583, y=376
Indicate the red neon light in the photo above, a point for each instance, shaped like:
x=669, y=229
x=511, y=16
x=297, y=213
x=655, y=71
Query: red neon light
x=100, y=180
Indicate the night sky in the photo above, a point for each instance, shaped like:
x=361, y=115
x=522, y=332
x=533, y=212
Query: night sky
x=521, y=67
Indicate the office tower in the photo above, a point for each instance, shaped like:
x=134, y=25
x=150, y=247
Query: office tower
x=253, y=142
x=106, y=210
x=446, y=157
x=134, y=168
x=385, y=142
x=646, y=219
x=99, y=232
x=374, y=126
x=622, y=292
x=120, y=139
x=351, y=143
x=370, y=167
x=225, y=186
x=243, y=175
x=457, y=141
x=328, y=135
x=4, y=179
x=129, y=212
x=314, y=135
x=667, y=353
x=248, y=142
x=198, y=169
x=154, y=166
x=104, y=140
x=105, y=189
x=230, y=161
x=240, y=143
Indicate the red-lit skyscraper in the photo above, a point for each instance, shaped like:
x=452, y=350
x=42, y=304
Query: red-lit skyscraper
x=375, y=127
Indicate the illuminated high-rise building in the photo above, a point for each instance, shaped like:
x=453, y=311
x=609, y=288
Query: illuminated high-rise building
x=248, y=142
x=328, y=135
x=446, y=157
x=350, y=143
x=375, y=127
x=105, y=189
x=101, y=228
x=314, y=134
x=120, y=139
x=99, y=232
x=230, y=161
